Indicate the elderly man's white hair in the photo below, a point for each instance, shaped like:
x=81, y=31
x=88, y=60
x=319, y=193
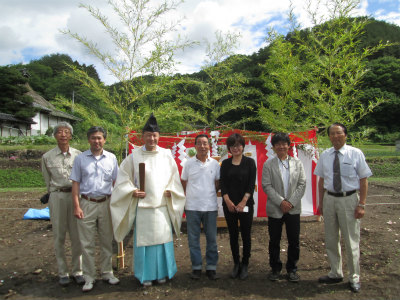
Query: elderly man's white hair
x=63, y=124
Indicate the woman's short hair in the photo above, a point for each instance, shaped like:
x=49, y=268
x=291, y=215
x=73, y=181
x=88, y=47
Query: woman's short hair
x=61, y=125
x=96, y=129
x=234, y=139
x=280, y=137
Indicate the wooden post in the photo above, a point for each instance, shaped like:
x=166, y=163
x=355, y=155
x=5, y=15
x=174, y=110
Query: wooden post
x=142, y=169
x=120, y=256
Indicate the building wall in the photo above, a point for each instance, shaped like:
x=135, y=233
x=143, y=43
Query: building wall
x=12, y=129
x=44, y=121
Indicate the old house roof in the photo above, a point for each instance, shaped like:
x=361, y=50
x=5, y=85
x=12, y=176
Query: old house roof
x=44, y=105
x=8, y=117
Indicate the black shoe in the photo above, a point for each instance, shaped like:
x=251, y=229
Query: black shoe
x=355, y=287
x=235, y=271
x=274, y=275
x=64, y=281
x=293, y=277
x=328, y=280
x=79, y=279
x=244, y=272
x=212, y=274
x=196, y=274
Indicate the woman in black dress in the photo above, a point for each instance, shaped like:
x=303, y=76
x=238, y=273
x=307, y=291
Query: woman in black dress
x=237, y=181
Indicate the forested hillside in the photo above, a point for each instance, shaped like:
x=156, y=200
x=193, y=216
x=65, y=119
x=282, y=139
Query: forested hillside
x=204, y=93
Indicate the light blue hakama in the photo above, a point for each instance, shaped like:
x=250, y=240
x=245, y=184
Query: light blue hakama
x=153, y=262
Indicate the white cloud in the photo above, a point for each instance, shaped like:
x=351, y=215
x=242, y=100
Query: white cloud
x=30, y=29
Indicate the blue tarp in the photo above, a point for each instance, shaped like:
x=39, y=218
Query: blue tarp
x=37, y=214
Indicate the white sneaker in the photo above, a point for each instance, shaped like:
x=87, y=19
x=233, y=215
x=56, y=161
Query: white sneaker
x=110, y=278
x=147, y=283
x=162, y=280
x=88, y=286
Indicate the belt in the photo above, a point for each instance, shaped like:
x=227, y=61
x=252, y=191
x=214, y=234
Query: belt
x=344, y=194
x=95, y=200
x=64, y=190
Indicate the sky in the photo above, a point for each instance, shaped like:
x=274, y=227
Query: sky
x=30, y=29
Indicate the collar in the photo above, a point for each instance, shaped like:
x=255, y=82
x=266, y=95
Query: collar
x=89, y=153
x=144, y=148
x=341, y=150
x=207, y=159
x=58, y=150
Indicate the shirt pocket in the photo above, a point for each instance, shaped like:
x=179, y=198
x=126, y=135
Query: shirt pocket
x=347, y=169
x=55, y=170
x=107, y=174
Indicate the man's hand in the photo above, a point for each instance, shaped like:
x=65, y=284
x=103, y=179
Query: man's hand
x=359, y=212
x=78, y=212
x=167, y=194
x=286, y=206
x=321, y=210
x=139, y=194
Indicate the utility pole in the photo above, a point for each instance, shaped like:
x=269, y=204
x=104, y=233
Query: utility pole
x=73, y=101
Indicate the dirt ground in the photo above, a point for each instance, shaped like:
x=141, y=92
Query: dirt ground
x=28, y=269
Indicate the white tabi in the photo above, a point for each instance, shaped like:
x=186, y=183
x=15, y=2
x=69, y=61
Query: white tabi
x=155, y=213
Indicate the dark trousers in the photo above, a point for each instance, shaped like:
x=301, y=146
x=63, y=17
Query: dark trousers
x=292, y=224
x=246, y=220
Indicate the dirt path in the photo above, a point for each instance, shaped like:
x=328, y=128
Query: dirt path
x=26, y=247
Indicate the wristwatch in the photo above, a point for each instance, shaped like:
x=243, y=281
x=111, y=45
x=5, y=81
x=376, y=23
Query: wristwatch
x=361, y=205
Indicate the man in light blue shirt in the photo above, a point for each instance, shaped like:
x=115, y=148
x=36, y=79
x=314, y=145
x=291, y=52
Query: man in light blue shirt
x=93, y=175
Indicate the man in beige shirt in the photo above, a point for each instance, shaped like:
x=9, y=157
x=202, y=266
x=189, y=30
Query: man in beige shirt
x=56, y=168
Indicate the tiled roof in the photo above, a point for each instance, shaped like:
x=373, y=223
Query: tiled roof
x=44, y=105
x=8, y=117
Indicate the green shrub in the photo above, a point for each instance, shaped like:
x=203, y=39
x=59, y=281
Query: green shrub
x=384, y=166
x=21, y=177
x=28, y=140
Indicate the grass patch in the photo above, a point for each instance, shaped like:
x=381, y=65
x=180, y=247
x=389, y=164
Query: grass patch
x=21, y=178
x=384, y=166
x=391, y=180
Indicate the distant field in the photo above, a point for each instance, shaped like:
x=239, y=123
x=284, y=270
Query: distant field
x=383, y=160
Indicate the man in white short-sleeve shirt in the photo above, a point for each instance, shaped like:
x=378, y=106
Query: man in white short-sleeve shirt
x=343, y=186
x=200, y=180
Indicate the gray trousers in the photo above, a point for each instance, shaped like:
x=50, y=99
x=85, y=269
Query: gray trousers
x=97, y=218
x=339, y=221
x=63, y=221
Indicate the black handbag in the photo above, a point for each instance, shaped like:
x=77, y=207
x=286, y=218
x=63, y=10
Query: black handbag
x=45, y=198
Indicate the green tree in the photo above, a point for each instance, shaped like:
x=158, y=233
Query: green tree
x=144, y=46
x=314, y=75
x=218, y=90
x=382, y=81
x=12, y=94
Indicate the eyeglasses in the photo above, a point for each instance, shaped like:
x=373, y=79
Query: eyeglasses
x=66, y=131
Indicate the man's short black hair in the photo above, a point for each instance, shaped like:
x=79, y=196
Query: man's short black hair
x=203, y=135
x=96, y=129
x=340, y=125
x=280, y=137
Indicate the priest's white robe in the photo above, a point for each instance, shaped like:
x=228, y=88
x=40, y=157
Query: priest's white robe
x=155, y=213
